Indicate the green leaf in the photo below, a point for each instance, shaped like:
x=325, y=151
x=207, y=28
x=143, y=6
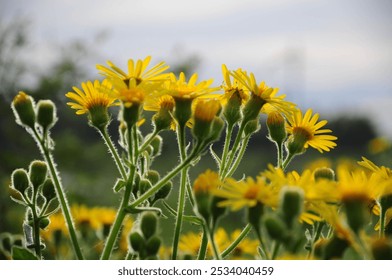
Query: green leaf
x=215, y=157
x=119, y=185
x=20, y=253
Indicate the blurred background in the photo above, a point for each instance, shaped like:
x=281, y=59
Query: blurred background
x=334, y=56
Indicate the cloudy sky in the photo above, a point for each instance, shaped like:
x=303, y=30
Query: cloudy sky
x=328, y=54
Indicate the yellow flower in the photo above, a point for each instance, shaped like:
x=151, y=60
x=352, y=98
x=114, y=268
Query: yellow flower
x=266, y=94
x=137, y=71
x=206, y=109
x=384, y=172
x=190, y=243
x=92, y=96
x=181, y=89
x=379, y=145
x=246, y=193
x=206, y=182
x=307, y=131
x=245, y=250
x=233, y=87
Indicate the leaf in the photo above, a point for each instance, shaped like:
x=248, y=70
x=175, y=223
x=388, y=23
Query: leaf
x=20, y=253
x=118, y=185
x=215, y=157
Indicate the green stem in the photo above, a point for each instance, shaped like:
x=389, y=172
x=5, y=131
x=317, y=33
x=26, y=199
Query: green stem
x=60, y=195
x=275, y=250
x=383, y=212
x=262, y=245
x=115, y=229
x=113, y=151
x=203, y=246
x=239, y=157
x=237, y=241
x=148, y=140
x=287, y=160
x=182, y=192
x=210, y=233
x=234, y=149
x=229, y=132
x=279, y=147
x=166, y=179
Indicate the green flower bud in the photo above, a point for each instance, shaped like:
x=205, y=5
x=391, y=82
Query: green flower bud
x=152, y=245
x=144, y=185
x=276, y=127
x=43, y=223
x=232, y=110
x=48, y=190
x=276, y=228
x=23, y=107
x=99, y=117
x=38, y=171
x=20, y=180
x=324, y=173
x=205, y=113
x=136, y=241
x=216, y=129
x=46, y=114
x=156, y=145
x=163, y=118
x=164, y=191
x=153, y=176
x=148, y=224
x=291, y=204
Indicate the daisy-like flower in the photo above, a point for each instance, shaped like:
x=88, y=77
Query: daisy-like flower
x=164, y=106
x=137, y=70
x=246, y=193
x=263, y=98
x=185, y=92
x=306, y=131
x=233, y=87
x=93, y=99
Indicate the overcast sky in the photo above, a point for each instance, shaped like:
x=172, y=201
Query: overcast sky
x=328, y=54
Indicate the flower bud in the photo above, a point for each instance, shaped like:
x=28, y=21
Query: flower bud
x=23, y=106
x=46, y=114
x=163, y=118
x=38, y=171
x=48, y=190
x=148, y=224
x=43, y=223
x=153, y=176
x=203, y=187
x=205, y=113
x=136, y=241
x=324, y=173
x=20, y=180
x=276, y=127
x=291, y=204
x=232, y=110
x=152, y=245
x=144, y=185
x=297, y=141
x=216, y=129
x=164, y=191
x=156, y=145
x=275, y=227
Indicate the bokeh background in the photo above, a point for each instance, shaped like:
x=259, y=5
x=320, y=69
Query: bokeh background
x=334, y=56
